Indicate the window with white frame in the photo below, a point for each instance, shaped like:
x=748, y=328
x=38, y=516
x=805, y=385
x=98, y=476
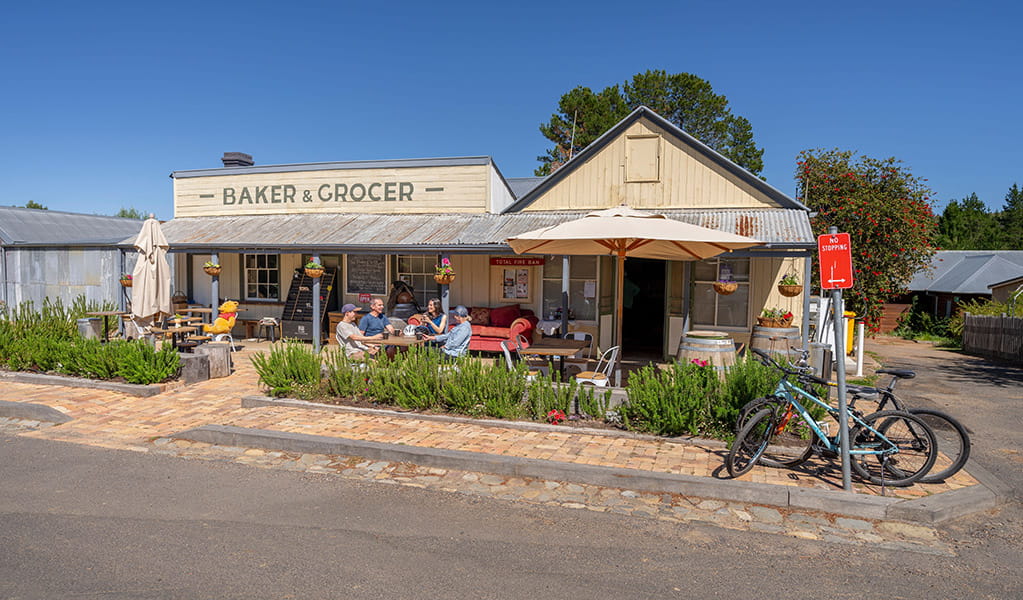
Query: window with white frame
x=582, y=287
x=262, y=276
x=718, y=310
x=417, y=270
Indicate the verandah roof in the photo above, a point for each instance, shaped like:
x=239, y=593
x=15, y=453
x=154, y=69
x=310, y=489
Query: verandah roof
x=482, y=233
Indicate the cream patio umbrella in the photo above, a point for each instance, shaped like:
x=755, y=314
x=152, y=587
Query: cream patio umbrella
x=151, y=278
x=623, y=231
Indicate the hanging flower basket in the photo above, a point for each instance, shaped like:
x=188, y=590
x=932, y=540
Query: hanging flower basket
x=790, y=291
x=126, y=280
x=444, y=279
x=212, y=271
x=314, y=273
x=725, y=287
x=773, y=322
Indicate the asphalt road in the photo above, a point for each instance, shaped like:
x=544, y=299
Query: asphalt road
x=81, y=522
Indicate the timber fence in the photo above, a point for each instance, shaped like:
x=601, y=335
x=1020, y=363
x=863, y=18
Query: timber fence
x=998, y=337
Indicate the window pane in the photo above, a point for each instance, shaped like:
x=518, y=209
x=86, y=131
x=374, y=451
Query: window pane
x=705, y=270
x=583, y=267
x=582, y=307
x=552, y=267
x=250, y=261
x=732, y=308
x=704, y=301
x=551, y=297
x=739, y=268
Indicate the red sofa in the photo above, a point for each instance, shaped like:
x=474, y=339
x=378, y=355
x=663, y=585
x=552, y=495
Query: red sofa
x=491, y=326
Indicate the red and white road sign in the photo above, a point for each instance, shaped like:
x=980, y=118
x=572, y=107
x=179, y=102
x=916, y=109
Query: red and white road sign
x=835, y=253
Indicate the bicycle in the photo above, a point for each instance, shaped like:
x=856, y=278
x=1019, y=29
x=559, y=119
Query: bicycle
x=953, y=440
x=889, y=448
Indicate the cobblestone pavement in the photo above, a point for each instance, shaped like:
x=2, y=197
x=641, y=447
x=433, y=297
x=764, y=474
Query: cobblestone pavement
x=666, y=507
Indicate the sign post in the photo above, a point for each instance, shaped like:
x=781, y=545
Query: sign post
x=834, y=251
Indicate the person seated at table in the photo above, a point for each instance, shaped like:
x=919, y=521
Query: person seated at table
x=455, y=343
x=350, y=337
x=434, y=319
x=374, y=324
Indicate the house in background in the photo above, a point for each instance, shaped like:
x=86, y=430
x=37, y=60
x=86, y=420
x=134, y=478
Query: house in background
x=955, y=276
x=1003, y=291
x=53, y=254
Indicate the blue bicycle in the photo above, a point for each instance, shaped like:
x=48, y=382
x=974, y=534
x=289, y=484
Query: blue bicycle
x=888, y=448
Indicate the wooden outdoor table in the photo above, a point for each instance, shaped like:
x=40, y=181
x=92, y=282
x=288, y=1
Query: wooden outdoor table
x=107, y=314
x=556, y=348
x=397, y=340
x=201, y=311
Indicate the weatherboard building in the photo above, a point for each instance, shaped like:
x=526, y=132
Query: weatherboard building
x=374, y=222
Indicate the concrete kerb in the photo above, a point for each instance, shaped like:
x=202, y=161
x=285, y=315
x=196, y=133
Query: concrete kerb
x=32, y=412
x=78, y=382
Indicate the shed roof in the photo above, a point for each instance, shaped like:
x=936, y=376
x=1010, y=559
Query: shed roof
x=353, y=233
x=33, y=227
x=967, y=271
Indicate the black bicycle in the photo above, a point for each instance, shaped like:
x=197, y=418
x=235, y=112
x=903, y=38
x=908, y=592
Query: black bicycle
x=953, y=439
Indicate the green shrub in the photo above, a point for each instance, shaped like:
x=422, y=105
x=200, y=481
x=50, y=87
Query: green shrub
x=594, y=402
x=289, y=367
x=140, y=363
x=744, y=381
x=672, y=401
x=544, y=395
x=346, y=378
x=477, y=389
x=95, y=360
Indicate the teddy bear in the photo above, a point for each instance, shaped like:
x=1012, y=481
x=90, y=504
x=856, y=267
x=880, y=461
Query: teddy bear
x=225, y=320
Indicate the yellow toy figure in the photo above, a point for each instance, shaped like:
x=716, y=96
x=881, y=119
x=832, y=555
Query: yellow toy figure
x=225, y=320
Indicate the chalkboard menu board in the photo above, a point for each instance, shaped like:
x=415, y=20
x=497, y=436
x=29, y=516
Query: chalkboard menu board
x=366, y=274
x=298, y=306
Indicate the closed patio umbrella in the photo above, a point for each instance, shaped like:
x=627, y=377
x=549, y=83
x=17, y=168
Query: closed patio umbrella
x=623, y=231
x=151, y=278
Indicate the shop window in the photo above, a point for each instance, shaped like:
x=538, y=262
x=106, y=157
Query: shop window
x=417, y=270
x=582, y=287
x=262, y=277
x=711, y=309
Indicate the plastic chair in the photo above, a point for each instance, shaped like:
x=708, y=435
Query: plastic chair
x=600, y=376
x=534, y=362
x=221, y=337
x=266, y=328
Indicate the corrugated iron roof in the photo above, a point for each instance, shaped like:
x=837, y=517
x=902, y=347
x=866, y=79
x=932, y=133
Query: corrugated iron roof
x=28, y=226
x=442, y=232
x=967, y=271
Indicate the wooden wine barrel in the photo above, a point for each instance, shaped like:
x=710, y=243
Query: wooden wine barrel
x=715, y=347
x=778, y=341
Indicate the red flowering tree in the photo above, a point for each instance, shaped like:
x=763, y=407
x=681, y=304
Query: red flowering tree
x=886, y=211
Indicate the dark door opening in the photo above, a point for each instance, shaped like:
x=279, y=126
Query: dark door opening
x=643, y=306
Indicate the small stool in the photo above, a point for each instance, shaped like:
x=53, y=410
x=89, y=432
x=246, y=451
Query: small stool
x=267, y=329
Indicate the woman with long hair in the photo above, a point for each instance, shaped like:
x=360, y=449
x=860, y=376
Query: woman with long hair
x=434, y=317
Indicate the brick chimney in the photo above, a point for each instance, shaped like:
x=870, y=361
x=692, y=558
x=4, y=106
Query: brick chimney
x=237, y=159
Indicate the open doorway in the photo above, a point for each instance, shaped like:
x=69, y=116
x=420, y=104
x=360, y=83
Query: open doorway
x=643, y=306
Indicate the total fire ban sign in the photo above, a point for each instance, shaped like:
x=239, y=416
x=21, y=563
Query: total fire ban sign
x=835, y=253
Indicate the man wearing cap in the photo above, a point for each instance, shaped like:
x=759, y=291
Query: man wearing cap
x=456, y=341
x=350, y=337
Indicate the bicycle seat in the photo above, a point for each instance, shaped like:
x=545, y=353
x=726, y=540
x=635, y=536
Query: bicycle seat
x=900, y=373
x=862, y=391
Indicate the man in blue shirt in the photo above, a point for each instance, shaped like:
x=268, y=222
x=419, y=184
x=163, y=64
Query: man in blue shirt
x=375, y=323
x=456, y=341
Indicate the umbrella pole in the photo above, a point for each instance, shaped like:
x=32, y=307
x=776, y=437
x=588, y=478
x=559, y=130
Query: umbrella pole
x=620, y=284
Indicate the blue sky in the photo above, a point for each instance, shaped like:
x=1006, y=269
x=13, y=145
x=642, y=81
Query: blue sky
x=102, y=101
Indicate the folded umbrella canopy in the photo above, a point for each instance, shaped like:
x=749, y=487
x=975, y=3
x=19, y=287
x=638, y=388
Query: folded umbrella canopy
x=622, y=232
x=151, y=278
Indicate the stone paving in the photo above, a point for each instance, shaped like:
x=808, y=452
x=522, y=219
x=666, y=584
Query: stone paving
x=116, y=420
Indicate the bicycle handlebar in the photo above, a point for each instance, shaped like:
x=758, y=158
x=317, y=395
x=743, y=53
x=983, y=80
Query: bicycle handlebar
x=769, y=361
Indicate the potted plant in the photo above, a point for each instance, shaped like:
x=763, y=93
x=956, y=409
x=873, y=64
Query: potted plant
x=126, y=280
x=774, y=317
x=725, y=286
x=211, y=268
x=445, y=272
x=789, y=285
x=313, y=269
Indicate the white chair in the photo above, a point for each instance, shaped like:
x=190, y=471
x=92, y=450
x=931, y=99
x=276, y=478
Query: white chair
x=582, y=358
x=600, y=376
x=510, y=362
x=533, y=362
x=221, y=337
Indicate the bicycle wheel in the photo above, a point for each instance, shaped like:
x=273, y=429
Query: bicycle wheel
x=753, y=407
x=791, y=445
x=914, y=442
x=953, y=444
x=750, y=443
